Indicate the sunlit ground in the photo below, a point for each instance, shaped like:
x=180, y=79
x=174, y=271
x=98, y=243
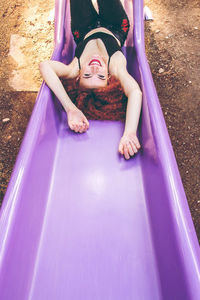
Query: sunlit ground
x=29, y=46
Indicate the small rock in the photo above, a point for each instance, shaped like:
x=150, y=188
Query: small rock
x=9, y=137
x=195, y=27
x=188, y=127
x=161, y=70
x=5, y=120
x=147, y=13
x=190, y=81
x=187, y=172
x=157, y=31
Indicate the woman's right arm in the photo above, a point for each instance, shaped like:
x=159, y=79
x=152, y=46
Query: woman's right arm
x=51, y=71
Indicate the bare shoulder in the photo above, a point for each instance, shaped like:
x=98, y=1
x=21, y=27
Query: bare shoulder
x=119, y=70
x=118, y=62
x=65, y=71
x=71, y=70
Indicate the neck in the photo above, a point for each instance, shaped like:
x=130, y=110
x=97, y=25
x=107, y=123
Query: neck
x=93, y=48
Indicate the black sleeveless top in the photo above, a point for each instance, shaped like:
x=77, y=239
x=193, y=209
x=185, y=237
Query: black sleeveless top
x=109, y=41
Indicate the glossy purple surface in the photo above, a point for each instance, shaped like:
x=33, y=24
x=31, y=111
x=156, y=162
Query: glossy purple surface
x=80, y=222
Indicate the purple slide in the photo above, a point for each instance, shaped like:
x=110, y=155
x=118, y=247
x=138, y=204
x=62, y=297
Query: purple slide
x=78, y=221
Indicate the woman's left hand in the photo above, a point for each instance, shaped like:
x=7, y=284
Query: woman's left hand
x=129, y=144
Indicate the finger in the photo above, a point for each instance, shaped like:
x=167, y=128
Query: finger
x=82, y=129
x=130, y=149
x=76, y=128
x=86, y=122
x=134, y=147
x=72, y=126
x=85, y=126
x=79, y=126
x=126, y=154
x=136, y=142
x=120, y=149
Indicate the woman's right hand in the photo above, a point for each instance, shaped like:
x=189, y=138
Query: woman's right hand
x=77, y=120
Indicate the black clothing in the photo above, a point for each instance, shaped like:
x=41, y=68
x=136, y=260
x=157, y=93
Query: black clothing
x=111, y=15
x=109, y=41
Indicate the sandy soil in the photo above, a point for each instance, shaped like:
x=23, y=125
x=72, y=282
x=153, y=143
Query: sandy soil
x=172, y=44
x=172, y=47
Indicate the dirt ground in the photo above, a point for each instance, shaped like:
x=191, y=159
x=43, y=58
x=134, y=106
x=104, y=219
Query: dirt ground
x=172, y=48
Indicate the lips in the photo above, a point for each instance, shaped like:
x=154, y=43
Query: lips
x=95, y=62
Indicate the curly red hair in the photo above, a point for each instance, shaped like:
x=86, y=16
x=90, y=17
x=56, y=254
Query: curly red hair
x=107, y=103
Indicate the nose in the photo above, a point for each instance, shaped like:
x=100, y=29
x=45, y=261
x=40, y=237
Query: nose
x=94, y=69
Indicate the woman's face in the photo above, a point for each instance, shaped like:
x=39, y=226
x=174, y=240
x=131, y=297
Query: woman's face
x=94, y=73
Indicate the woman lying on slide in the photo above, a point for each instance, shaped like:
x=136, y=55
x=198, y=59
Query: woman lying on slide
x=98, y=58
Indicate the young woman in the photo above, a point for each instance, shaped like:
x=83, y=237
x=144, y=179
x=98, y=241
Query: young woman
x=98, y=56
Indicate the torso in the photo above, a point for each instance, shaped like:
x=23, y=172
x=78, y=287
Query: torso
x=102, y=29
x=97, y=47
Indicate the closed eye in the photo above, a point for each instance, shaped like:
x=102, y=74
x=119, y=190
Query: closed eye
x=87, y=76
x=102, y=77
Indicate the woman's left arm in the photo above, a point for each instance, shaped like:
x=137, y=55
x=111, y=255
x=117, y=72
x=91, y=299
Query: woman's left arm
x=134, y=94
x=129, y=143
